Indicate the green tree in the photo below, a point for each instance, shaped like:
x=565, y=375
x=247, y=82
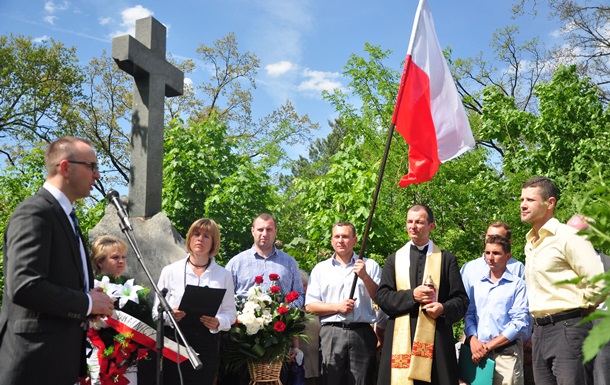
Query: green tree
x=459, y=194
x=106, y=115
x=16, y=184
x=225, y=95
x=235, y=201
x=203, y=177
x=39, y=87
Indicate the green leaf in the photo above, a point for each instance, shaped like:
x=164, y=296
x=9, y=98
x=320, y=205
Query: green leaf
x=597, y=338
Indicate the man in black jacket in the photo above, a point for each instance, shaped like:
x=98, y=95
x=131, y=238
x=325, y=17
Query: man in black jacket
x=419, y=343
x=48, y=276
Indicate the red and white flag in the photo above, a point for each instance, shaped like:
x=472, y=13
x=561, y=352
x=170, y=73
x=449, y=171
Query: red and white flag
x=429, y=112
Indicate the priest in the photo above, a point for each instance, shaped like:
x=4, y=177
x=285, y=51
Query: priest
x=422, y=292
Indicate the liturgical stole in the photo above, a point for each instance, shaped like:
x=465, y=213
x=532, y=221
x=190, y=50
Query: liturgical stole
x=412, y=360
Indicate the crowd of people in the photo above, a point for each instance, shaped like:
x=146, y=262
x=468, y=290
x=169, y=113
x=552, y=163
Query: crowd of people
x=406, y=309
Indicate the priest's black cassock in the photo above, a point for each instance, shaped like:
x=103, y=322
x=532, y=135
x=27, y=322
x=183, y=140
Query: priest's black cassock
x=395, y=303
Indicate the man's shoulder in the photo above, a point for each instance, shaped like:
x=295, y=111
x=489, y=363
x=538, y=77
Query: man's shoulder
x=284, y=255
x=37, y=204
x=322, y=264
x=474, y=264
x=238, y=258
x=559, y=229
x=448, y=254
x=514, y=263
x=221, y=271
x=370, y=262
x=605, y=261
x=38, y=199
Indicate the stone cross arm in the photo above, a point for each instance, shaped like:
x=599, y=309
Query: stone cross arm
x=134, y=58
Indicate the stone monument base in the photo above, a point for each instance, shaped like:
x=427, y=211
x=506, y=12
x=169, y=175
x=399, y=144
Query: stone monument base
x=158, y=241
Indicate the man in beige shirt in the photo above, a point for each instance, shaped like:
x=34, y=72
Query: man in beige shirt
x=555, y=252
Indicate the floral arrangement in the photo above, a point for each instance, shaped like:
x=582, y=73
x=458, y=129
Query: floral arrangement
x=266, y=324
x=118, y=351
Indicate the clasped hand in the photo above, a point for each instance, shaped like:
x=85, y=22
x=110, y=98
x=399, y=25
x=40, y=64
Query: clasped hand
x=424, y=295
x=479, y=350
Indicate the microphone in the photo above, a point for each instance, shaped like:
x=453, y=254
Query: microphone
x=113, y=197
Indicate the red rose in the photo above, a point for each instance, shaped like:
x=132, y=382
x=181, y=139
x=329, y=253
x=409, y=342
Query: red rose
x=275, y=289
x=283, y=310
x=279, y=327
x=292, y=296
x=274, y=277
x=258, y=279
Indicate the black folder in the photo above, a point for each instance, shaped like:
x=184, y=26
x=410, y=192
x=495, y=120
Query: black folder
x=198, y=301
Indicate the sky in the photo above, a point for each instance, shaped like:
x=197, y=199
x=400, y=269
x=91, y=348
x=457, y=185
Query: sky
x=303, y=45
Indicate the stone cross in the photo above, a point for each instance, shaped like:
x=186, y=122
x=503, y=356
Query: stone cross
x=143, y=57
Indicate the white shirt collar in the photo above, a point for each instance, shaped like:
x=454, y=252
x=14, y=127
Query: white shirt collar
x=60, y=197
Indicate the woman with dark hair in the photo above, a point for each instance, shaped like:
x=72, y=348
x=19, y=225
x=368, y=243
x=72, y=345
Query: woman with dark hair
x=198, y=269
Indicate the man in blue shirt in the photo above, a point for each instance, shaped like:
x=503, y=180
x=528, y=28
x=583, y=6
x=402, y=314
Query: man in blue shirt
x=264, y=259
x=347, y=340
x=497, y=319
x=475, y=269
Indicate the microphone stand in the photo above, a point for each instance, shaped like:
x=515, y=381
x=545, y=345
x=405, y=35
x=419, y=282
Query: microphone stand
x=162, y=309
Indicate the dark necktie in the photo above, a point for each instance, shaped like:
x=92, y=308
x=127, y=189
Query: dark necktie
x=78, y=237
x=76, y=227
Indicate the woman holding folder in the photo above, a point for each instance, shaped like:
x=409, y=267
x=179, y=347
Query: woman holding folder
x=199, y=316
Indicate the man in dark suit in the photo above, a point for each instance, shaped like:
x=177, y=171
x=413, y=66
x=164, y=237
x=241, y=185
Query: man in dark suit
x=421, y=291
x=48, y=276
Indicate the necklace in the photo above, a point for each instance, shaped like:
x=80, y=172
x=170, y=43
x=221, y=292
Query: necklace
x=201, y=266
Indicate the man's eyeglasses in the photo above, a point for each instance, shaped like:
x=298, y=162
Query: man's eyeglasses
x=94, y=166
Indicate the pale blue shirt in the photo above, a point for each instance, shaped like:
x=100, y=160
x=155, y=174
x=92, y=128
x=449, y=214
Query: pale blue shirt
x=478, y=268
x=65, y=204
x=248, y=264
x=331, y=282
x=176, y=276
x=498, y=308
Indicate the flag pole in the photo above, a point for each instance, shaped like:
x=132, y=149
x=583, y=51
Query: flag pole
x=452, y=119
x=386, y=152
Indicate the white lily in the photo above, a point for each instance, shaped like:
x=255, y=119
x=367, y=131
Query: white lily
x=112, y=289
x=129, y=293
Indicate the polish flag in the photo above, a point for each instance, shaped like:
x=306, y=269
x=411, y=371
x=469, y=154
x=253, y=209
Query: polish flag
x=429, y=113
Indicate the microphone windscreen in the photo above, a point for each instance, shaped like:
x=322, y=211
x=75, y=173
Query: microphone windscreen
x=112, y=194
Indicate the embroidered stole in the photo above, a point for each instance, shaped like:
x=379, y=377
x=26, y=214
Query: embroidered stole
x=413, y=360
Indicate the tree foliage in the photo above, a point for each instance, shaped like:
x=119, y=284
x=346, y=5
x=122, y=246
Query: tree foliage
x=529, y=114
x=106, y=116
x=39, y=86
x=204, y=177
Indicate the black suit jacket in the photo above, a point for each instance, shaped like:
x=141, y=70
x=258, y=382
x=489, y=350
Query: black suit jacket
x=44, y=307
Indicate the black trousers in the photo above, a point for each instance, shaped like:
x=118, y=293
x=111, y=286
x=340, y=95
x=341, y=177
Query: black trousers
x=206, y=345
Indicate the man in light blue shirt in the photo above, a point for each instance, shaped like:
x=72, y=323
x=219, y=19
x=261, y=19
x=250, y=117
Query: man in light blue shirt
x=264, y=259
x=473, y=270
x=347, y=340
x=498, y=320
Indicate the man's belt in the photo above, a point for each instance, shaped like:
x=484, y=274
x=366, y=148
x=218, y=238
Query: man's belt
x=347, y=325
x=560, y=316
